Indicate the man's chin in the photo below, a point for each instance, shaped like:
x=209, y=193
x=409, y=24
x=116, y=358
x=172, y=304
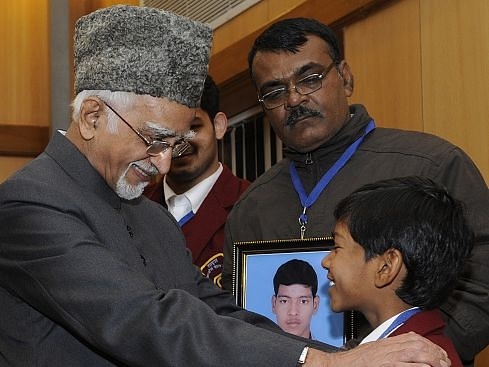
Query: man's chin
x=129, y=192
x=304, y=148
x=303, y=143
x=180, y=175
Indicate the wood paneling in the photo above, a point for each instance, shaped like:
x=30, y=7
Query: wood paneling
x=23, y=140
x=24, y=81
x=455, y=74
x=24, y=63
x=383, y=51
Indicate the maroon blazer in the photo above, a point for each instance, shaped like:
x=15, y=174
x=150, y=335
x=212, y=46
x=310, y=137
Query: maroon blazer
x=205, y=231
x=430, y=325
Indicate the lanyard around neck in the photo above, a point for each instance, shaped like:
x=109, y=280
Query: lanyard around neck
x=308, y=200
x=399, y=320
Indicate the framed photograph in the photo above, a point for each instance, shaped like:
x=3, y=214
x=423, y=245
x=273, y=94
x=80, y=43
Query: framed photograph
x=255, y=265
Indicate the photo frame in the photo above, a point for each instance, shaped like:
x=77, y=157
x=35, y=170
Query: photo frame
x=255, y=264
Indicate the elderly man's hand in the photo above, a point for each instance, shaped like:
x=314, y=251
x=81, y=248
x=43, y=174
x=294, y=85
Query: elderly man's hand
x=406, y=350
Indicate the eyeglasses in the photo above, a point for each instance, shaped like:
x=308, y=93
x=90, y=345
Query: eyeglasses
x=157, y=147
x=304, y=86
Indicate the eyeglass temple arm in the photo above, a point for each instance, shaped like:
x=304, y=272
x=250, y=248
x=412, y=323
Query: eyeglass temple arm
x=129, y=125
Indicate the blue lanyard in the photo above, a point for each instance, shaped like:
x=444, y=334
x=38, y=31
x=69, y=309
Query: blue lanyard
x=186, y=218
x=308, y=200
x=401, y=319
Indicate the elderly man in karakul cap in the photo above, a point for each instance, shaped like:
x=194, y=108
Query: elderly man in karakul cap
x=92, y=273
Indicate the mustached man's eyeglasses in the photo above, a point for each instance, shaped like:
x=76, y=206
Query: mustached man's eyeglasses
x=307, y=85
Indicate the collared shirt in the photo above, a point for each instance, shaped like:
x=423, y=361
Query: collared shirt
x=379, y=330
x=196, y=195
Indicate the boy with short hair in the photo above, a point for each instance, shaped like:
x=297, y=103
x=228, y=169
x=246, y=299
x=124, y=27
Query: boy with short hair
x=400, y=245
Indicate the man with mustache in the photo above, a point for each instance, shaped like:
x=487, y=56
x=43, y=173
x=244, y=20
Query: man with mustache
x=333, y=148
x=93, y=274
x=199, y=191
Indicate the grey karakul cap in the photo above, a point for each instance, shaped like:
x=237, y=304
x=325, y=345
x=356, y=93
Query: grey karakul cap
x=142, y=50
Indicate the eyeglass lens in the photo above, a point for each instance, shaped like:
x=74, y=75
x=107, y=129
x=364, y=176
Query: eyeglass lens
x=158, y=146
x=307, y=85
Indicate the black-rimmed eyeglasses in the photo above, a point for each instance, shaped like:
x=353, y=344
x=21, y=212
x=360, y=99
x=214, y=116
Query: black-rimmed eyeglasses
x=157, y=147
x=307, y=85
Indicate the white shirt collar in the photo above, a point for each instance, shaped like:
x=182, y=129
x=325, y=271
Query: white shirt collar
x=196, y=194
x=377, y=332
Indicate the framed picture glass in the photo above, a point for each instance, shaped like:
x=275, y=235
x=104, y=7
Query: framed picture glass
x=255, y=265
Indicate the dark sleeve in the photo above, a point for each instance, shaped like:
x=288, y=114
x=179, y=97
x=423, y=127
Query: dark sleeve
x=51, y=260
x=467, y=310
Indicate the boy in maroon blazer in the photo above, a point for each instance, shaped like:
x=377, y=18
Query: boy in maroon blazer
x=400, y=245
x=205, y=187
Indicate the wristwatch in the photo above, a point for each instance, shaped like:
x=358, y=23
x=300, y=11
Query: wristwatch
x=303, y=356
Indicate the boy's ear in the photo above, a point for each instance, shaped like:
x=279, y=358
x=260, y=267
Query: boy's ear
x=89, y=114
x=390, y=264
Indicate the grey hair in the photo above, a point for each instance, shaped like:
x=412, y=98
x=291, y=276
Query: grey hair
x=126, y=99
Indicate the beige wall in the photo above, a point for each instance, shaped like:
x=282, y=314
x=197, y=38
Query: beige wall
x=424, y=65
x=455, y=74
x=24, y=70
x=24, y=64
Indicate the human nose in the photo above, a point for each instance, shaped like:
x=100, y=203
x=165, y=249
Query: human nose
x=162, y=161
x=326, y=262
x=293, y=97
x=293, y=308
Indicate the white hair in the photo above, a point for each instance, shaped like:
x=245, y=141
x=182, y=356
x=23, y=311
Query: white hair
x=126, y=99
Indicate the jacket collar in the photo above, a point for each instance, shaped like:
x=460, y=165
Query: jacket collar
x=77, y=166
